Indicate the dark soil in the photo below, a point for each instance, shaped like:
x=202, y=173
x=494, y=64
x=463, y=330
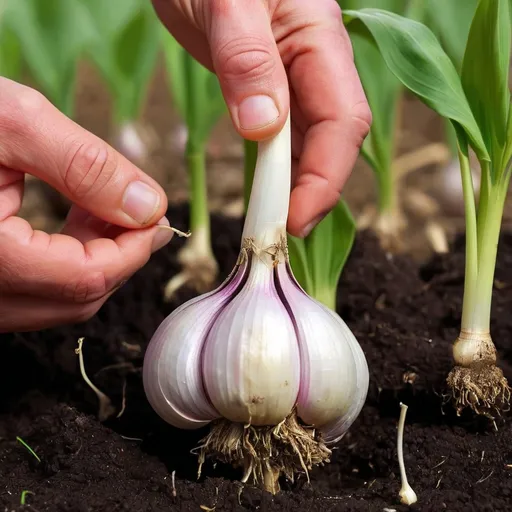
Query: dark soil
x=405, y=318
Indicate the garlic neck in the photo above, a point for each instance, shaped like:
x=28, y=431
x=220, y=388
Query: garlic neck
x=267, y=211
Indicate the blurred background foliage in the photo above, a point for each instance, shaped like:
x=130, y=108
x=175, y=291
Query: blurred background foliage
x=111, y=66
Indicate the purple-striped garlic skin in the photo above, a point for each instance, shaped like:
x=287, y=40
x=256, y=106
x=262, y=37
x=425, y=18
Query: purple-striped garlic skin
x=252, y=351
x=334, y=373
x=251, y=364
x=173, y=381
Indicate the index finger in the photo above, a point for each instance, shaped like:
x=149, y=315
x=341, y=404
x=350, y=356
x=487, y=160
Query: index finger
x=332, y=105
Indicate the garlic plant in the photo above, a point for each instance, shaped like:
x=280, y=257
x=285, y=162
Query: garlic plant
x=278, y=375
x=477, y=101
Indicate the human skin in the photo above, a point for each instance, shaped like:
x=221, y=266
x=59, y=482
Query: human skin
x=110, y=232
x=269, y=56
x=273, y=55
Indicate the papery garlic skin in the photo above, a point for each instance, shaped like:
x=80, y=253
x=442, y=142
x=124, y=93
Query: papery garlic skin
x=172, y=375
x=336, y=429
x=334, y=378
x=251, y=364
x=252, y=351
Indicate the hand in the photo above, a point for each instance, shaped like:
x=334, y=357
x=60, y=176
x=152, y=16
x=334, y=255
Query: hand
x=110, y=232
x=255, y=47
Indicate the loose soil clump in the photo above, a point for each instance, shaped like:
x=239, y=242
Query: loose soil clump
x=405, y=317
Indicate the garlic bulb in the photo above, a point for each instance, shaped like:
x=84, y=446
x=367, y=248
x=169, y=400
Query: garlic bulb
x=257, y=357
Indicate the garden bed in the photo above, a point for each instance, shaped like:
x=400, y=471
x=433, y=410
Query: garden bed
x=405, y=318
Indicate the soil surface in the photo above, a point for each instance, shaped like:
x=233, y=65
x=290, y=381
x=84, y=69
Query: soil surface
x=405, y=318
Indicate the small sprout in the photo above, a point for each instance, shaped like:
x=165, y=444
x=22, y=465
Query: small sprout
x=407, y=494
x=28, y=448
x=123, y=404
x=173, y=483
x=24, y=494
x=106, y=409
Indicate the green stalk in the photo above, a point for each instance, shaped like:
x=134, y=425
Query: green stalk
x=489, y=235
x=387, y=199
x=199, y=214
x=450, y=137
x=386, y=179
x=471, y=272
x=481, y=253
x=196, y=161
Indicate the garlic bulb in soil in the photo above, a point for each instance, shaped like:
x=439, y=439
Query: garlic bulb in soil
x=277, y=374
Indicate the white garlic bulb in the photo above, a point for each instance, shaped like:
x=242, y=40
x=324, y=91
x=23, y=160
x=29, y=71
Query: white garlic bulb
x=258, y=349
x=251, y=351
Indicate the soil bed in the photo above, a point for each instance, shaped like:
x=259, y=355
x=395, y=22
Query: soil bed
x=405, y=318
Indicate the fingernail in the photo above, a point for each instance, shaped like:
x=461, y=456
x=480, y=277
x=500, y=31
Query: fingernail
x=140, y=201
x=307, y=230
x=256, y=112
x=162, y=236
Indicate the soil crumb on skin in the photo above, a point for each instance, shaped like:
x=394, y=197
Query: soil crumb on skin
x=405, y=318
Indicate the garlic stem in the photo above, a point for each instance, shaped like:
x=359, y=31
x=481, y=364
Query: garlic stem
x=267, y=212
x=407, y=494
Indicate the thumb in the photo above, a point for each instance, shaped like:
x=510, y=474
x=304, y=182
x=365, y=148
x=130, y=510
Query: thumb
x=40, y=140
x=249, y=67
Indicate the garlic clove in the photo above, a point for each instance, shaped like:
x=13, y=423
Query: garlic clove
x=172, y=365
x=251, y=364
x=328, y=373
x=335, y=430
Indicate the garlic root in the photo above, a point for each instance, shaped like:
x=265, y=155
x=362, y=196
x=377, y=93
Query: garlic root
x=476, y=382
x=265, y=452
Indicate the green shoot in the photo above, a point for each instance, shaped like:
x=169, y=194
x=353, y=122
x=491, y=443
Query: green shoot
x=318, y=260
x=24, y=495
x=477, y=102
x=32, y=452
x=125, y=52
x=52, y=36
x=198, y=98
x=385, y=95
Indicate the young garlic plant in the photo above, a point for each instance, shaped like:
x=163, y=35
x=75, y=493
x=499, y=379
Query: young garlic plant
x=477, y=102
x=389, y=218
x=125, y=52
x=279, y=376
x=198, y=98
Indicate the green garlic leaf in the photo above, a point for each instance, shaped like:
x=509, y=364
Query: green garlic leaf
x=52, y=35
x=125, y=50
x=196, y=91
x=135, y=52
x=318, y=260
x=383, y=91
x=415, y=57
x=450, y=21
x=485, y=71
